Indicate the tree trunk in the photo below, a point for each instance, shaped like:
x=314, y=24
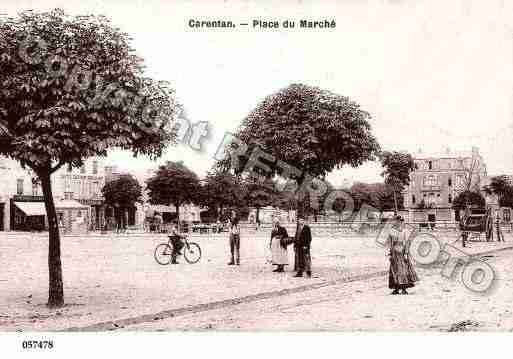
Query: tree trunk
x=395, y=202
x=56, y=291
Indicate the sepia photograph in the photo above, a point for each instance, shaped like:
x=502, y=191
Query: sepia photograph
x=239, y=167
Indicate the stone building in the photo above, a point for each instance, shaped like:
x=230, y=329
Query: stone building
x=437, y=179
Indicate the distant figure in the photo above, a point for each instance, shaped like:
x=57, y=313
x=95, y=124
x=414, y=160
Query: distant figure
x=158, y=222
x=234, y=229
x=278, y=246
x=302, y=248
x=401, y=274
x=500, y=235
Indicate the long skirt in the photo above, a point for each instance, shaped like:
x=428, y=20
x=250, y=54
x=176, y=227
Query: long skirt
x=278, y=253
x=401, y=275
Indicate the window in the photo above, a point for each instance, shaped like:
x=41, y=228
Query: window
x=82, y=169
x=416, y=166
x=430, y=180
x=459, y=180
x=19, y=186
x=506, y=214
x=68, y=195
x=35, y=189
x=95, y=167
x=79, y=214
x=430, y=165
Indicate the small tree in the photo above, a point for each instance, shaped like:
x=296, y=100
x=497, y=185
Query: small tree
x=466, y=199
x=259, y=193
x=72, y=87
x=221, y=190
x=499, y=185
x=122, y=193
x=397, y=167
x=173, y=184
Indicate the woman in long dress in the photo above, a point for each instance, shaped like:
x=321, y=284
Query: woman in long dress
x=278, y=247
x=401, y=275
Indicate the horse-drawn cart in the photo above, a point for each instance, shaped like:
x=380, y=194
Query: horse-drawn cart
x=476, y=227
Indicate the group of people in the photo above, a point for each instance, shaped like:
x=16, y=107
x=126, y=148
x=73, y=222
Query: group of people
x=280, y=240
x=401, y=277
x=278, y=244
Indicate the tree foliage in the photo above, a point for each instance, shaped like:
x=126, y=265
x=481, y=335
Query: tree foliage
x=123, y=192
x=311, y=129
x=173, y=184
x=397, y=167
x=221, y=190
x=471, y=198
x=72, y=87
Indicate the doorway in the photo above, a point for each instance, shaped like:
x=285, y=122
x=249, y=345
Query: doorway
x=431, y=220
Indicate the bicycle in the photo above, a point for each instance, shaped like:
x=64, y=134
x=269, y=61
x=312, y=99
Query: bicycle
x=191, y=252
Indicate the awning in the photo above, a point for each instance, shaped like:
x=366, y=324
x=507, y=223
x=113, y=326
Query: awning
x=32, y=208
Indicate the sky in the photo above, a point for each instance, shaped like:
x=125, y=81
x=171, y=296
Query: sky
x=432, y=74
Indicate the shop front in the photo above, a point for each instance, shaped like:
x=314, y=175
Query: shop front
x=28, y=213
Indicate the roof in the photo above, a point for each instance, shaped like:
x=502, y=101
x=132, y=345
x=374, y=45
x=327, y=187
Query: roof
x=439, y=155
x=69, y=203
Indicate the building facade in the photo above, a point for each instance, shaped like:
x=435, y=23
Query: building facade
x=438, y=179
x=77, y=195
x=83, y=185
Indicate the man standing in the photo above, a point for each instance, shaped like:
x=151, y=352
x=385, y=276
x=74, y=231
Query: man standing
x=176, y=240
x=302, y=248
x=500, y=235
x=234, y=241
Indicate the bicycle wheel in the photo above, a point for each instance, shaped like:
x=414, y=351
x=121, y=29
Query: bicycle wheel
x=163, y=253
x=192, y=253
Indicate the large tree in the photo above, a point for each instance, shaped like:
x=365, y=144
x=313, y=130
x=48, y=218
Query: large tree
x=173, y=184
x=396, y=171
x=72, y=88
x=311, y=129
x=122, y=193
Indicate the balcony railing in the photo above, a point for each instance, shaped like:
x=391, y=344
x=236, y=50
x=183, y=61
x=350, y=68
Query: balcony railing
x=431, y=188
